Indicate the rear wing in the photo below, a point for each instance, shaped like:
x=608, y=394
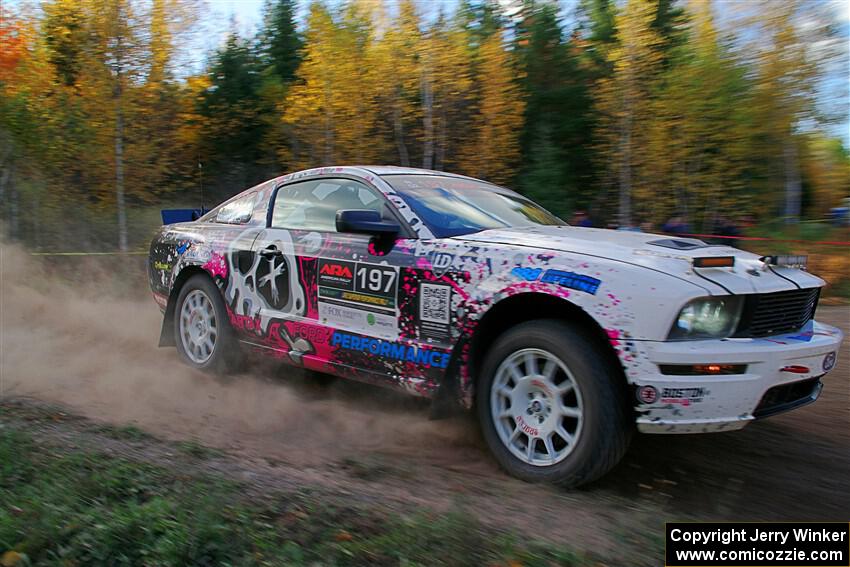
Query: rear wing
x=171, y=216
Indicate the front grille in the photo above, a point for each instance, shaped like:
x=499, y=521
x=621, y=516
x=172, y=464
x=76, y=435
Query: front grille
x=767, y=314
x=787, y=397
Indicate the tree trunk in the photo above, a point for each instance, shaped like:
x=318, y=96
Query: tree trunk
x=398, y=131
x=5, y=176
x=14, y=226
x=792, y=183
x=440, y=154
x=626, y=173
x=119, y=178
x=119, y=150
x=625, y=219
x=328, y=150
x=6, y=164
x=427, y=122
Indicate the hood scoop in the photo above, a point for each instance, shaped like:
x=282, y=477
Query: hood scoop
x=680, y=243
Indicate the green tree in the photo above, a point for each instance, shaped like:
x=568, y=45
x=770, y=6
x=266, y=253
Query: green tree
x=233, y=128
x=280, y=42
x=556, y=158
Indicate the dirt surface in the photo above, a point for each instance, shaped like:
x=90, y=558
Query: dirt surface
x=93, y=351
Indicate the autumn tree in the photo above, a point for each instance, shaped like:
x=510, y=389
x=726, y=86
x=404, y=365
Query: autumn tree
x=447, y=93
x=699, y=134
x=788, y=64
x=96, y=83
x=624, y=102
x=401, y=71
x=492, y=150
x=330, y=110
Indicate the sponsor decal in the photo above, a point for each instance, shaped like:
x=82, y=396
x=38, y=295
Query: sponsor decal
x=311, y=333
x=429, y=358
x=367, y=284
x=683, y=396
x=337, y=274
x=525, y=428
x=571, y=280
x=528, y=274
x=443, y=262
x=245, y=322
x=435, y=302
x=183, y=247
x=198, y=252
x=362, y=298
x=162, y=266
x=340, y=315
x=647, y=394
x=562, y=278
x=336, y=271
x=829, y=361
x=440, y=262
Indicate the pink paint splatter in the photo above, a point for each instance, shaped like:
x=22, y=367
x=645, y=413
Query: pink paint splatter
x=216, y=265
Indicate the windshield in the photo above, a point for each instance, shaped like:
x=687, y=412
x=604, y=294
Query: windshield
x=452, y=206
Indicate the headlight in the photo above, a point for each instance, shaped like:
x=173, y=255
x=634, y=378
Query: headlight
x=707, y=318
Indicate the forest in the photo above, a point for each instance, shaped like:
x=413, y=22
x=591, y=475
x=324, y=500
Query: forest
x=634, y=111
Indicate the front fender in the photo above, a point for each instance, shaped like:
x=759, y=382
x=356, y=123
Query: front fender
x=625, y=303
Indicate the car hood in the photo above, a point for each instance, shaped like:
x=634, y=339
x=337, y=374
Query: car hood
x=749, y=275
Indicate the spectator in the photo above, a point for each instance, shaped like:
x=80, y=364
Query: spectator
x=676, y=225
x=581, y=219
x=726, y=227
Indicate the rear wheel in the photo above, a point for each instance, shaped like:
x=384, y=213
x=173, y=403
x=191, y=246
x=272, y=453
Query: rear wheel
x=551, y=404
x=204, y=337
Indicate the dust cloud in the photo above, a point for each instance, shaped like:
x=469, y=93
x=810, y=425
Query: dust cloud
x=83, y=334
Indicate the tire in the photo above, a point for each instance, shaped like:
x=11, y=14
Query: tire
x=202, y=331
x=543, y=374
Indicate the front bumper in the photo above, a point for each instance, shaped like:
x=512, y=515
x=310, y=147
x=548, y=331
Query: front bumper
x=782, y=373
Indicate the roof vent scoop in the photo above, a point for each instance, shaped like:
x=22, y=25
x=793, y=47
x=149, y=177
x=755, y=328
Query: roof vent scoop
x=679, y=243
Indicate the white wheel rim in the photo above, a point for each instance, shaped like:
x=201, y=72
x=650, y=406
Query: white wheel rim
x=198, y=329
x=536, y=407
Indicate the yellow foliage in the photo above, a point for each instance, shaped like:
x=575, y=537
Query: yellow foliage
x=494, y=152
x=331, y=109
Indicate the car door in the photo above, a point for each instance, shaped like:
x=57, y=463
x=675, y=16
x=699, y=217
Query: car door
x=320, y=288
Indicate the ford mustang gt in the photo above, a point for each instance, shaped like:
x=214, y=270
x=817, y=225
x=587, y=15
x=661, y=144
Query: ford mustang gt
x=563, y=340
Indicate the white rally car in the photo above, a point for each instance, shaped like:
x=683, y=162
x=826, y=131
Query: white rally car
x=563, y=339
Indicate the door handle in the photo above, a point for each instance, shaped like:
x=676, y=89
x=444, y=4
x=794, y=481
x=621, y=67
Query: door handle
x=271, y=252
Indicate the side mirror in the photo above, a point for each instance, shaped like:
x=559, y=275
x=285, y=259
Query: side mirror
x=365, y=222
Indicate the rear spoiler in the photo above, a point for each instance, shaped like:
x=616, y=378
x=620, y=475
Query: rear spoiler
x=171, y=216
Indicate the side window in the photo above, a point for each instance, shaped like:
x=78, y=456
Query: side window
x=238, y=211
x=312, y=205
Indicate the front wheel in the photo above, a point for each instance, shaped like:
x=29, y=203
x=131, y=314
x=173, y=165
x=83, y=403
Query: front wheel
x=204, y=337
x=552, y=405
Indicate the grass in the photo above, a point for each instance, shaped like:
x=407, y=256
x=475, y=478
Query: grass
x=123, y=432
x=77, y=507
x=198, y=451
x=373, y=467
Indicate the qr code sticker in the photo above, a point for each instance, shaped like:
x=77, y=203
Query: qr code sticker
x=434, y=303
